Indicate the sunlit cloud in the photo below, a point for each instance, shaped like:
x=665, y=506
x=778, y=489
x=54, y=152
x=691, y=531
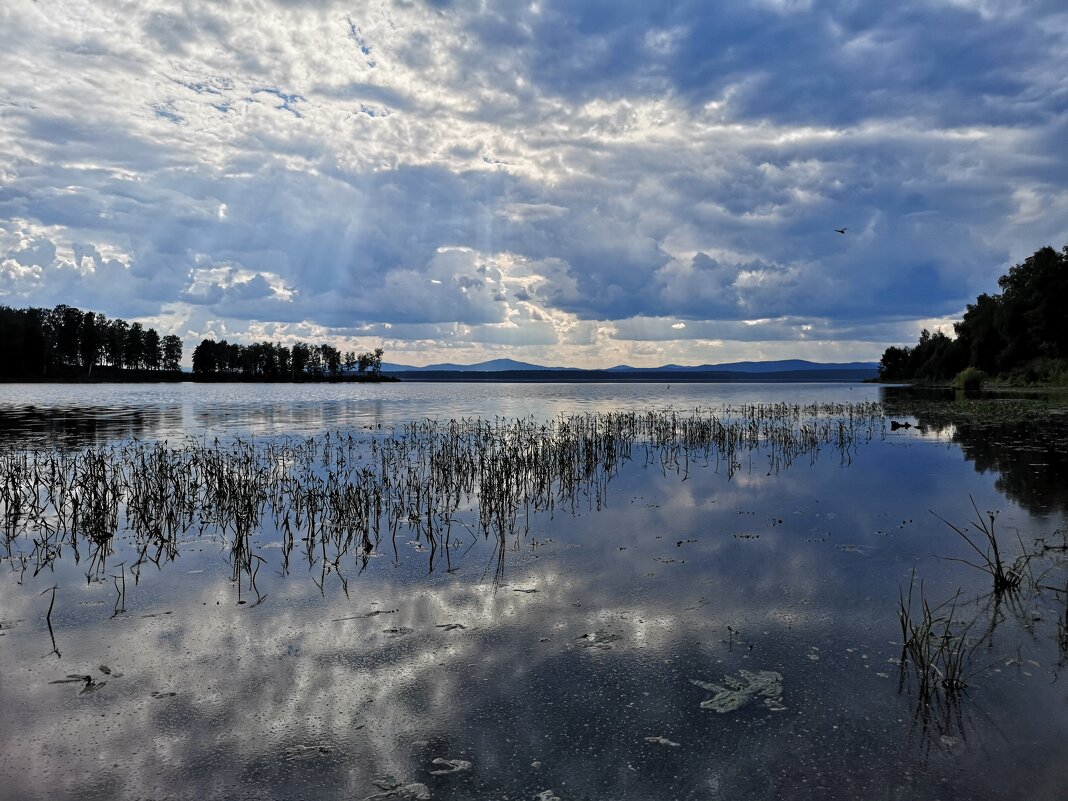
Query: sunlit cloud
x=515, y=179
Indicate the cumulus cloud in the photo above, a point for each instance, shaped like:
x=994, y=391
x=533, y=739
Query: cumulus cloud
x=530, y=179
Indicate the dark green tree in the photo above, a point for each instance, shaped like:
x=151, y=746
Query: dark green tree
x=1021, y=332
x=152, y=349
x=172, y=352
x=90, y=343
x=115, y=342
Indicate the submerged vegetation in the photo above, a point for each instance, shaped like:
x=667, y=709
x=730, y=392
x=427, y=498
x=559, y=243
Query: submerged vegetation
x=341, y=493
x=1019, y=336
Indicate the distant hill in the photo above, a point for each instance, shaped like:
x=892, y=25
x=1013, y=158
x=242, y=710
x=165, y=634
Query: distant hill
x=509, y=370
x=511, y=365
x=780, y=366
x=492, y=366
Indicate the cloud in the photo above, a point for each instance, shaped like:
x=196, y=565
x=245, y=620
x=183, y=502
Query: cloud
x=454, y=171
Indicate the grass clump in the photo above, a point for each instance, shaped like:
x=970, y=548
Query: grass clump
x=1006, y=577
x=969, y=379
x=934, y=642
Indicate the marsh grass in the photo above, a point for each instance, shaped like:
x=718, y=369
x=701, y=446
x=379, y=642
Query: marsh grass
x=443, y=483
x=48, y=619
x=1062, y=628
x=934, y=642
x=1006, y=577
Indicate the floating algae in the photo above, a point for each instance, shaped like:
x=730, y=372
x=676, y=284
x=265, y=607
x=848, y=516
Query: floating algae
x=661, y=741
x=599, y=639
x=301, y=753
x=737, y=691
x=414, y=791
x=449, y=766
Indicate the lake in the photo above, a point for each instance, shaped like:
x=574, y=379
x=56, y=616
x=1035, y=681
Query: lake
x=532, y=591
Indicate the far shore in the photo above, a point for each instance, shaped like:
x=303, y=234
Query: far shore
x=172, y=377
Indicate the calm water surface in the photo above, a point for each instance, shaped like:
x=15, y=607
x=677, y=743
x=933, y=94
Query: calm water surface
x=569, y=659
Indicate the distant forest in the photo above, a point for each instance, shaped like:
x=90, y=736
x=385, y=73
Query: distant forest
x=67, y=343
x=269, y=361
x=1017, y=336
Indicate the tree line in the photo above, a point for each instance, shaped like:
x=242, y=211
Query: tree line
x=65, y=342
x=1020, y=334
x=270, y=361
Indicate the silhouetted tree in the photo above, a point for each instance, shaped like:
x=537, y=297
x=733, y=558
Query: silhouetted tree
x=172, y=352
x=271, y=361
x=152, y=350
x=115, y=342
x=1023, y=331
x=301, y=355
x=205, y=357
x=89, y=346
x=133, y=353
x=64, y=341
x=66, y=326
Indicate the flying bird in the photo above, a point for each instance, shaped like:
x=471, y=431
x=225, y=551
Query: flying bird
x=840, y=230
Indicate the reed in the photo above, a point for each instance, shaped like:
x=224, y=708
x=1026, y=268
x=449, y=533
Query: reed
x=1006, y=577
x=48, y=619
x=351, y=492
x=1062, y=628
x=934, y=642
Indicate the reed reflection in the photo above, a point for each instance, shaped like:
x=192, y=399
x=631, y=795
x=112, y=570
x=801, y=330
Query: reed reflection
x=438, y=482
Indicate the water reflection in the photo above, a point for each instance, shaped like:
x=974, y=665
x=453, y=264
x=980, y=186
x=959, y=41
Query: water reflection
x=341, y=493
x=94, y=412
x=1021, y=438
x=321, y=697
x=79, y=425
x=69, y=427
x=562, y=662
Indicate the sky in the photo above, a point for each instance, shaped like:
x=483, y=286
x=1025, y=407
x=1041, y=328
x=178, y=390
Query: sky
x=560, y=182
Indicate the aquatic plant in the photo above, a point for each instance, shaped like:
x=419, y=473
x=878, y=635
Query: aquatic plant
x=737, y=691
x=1006, y=577
x=348, y=492
x=934, y=642
x=969, y=379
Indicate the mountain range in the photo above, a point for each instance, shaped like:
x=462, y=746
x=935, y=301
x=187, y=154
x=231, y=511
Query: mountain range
x=509, y=365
